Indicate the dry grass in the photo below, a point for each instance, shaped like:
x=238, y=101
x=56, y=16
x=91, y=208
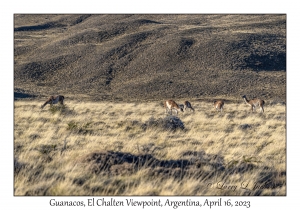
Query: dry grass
x=89, y=148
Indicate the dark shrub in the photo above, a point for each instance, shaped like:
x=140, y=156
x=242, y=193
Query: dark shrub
x=169, y=123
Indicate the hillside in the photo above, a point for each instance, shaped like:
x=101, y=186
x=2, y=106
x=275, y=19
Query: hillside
x=150, y=57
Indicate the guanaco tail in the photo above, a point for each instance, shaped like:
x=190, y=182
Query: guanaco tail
x=186, y=105
x=218, y=104
x=54, y=100
x=170, y=104
x=255, y=103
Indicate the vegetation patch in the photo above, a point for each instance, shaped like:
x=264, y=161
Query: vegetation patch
x=169, y=123
x=81, y=128
x=61, y=109
x=119, y=163
x=18, y=166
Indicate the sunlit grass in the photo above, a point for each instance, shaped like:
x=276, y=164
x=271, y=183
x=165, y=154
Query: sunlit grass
x=50, y=147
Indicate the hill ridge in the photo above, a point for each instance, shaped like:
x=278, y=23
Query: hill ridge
x=144, y=57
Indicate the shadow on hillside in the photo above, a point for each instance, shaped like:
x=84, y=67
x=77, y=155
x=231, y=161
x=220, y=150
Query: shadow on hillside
x=18, y=95
x=266, y=52
x=35, y=28
x=145, y=21
x=274, y=61
x=78, y=19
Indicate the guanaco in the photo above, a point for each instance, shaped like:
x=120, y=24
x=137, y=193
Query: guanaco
x=170, y=104
x=54, y=100
x=255, y=103
x=218, y=104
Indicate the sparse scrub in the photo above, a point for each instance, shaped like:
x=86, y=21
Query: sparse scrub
x=145, y=152
x=54, y=109
x=83, y=128
x=169, y=123
x=60, y=109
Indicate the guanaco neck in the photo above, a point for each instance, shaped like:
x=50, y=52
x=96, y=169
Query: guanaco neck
x=246, y=100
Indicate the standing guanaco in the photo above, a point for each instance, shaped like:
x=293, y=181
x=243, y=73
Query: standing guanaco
x=54, y=100
x=256, y=102
x=170, y=104
x=218, y=104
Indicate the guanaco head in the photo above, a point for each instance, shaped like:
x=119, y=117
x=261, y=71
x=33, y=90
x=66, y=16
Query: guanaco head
x=43, y=105
x=244, y=96
x=181, y=107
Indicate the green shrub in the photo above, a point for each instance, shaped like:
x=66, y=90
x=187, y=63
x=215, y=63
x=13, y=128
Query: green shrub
x=76, y=127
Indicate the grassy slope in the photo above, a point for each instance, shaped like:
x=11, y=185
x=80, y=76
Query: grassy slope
x=55, y=152
x=151, y=57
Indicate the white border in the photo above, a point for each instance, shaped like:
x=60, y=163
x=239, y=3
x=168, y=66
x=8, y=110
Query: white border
x=154, y=6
